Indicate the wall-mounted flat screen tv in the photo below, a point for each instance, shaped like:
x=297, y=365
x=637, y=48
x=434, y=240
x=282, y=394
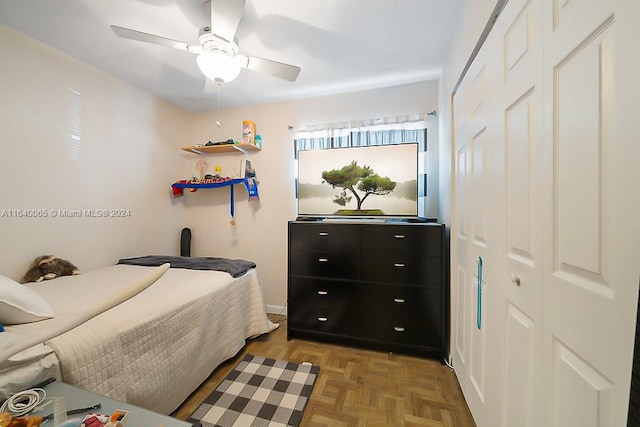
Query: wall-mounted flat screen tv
x=369, y=181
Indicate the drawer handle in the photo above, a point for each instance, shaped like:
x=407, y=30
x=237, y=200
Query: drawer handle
x=398, y=328
x=398, y=264
x=399, y=300
x=323, y=319
x=399, y=236
x=323, y=259
x=323, y=233
x=323, y=293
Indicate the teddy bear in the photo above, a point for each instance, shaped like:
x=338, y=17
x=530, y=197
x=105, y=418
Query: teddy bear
x=47, y=267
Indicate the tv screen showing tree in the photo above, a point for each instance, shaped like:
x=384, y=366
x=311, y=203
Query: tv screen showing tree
x=367, y=181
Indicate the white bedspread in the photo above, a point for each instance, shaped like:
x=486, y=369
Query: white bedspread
x=155, y=348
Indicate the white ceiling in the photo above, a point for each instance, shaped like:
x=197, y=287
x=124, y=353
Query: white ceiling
x=341, y=45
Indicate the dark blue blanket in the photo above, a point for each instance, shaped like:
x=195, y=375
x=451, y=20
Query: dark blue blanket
x=235, y=267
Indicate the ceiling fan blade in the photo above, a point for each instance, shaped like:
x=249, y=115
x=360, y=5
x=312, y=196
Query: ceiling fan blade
x=151, y=38
x=225, y=17
x=267, y=66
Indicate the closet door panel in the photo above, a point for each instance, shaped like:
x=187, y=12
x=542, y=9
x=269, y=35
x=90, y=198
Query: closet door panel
x=479, y=187
x=461, y=320
x=459, y=293
x=521, y=267
x=580, y=266
x=521, y=191
x=460, y=232
x=519, y=375
x=591, y=253
x=521, y=264
x=478, y=347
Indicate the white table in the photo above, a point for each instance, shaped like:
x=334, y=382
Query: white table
x=77, y=398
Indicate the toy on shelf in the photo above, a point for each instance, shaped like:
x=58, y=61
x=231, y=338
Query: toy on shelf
x=246, y=168
x=248, y=132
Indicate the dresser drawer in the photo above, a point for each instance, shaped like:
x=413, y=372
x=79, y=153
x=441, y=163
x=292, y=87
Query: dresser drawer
x=335, y=319
x=412, y=301
x=401, y=330
x=320, y=292
x=403, y=270
x=414, y=240
x=335, y=238
x=324, y=264
x=399, y=314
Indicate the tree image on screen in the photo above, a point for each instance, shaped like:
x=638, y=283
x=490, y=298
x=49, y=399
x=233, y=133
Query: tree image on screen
x=361, y=182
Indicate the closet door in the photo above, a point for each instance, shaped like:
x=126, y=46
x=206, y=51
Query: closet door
x=591, y=231
x=520, y=119
x=463, y=292
x=477, y=297
x=546, y=175
x=461, y=299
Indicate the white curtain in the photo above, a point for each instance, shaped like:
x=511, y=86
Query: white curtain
x=391, y=130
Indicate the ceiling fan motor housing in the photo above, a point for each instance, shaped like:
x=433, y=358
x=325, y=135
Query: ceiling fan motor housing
x=210, y=43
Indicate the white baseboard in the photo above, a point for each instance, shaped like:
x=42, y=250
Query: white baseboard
x=276, y=309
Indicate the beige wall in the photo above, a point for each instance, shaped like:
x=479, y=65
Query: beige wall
x=260, y=233
x=128, y=149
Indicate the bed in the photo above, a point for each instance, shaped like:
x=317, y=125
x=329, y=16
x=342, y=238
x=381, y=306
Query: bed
x=146, y=335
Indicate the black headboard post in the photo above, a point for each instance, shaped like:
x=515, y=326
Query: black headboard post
x=185, y=242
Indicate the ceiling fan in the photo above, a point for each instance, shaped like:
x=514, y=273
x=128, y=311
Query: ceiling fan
x=219, y=57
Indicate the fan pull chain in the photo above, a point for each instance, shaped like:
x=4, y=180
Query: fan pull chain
x=219, y=90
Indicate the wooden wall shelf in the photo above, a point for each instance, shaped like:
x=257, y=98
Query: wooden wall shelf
x=222, y=148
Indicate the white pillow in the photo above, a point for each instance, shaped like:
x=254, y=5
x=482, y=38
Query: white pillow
x=19, y=304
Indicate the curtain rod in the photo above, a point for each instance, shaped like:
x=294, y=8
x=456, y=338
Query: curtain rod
x=411, y=118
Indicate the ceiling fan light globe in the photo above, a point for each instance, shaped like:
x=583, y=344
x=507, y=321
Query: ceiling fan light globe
x=218, y=66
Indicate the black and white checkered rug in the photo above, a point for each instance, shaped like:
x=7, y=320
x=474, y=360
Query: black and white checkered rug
x=259, y=392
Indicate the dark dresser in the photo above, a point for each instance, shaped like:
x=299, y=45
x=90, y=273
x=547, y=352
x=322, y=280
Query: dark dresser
x=374, y=285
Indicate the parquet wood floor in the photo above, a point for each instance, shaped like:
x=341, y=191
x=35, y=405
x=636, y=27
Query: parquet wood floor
x=357, y=387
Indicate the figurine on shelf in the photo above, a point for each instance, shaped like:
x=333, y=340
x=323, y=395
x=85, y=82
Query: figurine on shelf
x=202, y=166
x=193, y=190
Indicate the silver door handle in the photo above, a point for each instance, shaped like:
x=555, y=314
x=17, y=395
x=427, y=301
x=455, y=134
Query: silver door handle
x=399, y=236
x=398, y=300
x=323, y=233
x=323, y=259
x=323, y=319
x=398, y=328
x=322, y=292
x=398, y=264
